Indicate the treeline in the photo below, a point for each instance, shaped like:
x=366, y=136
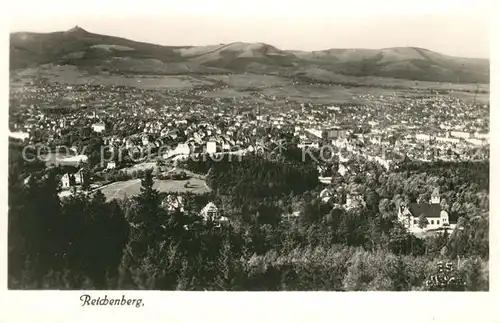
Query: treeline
x=457, y=173
x=255, y=177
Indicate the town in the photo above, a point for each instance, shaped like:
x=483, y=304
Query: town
x=105, y=138
x=106, y=126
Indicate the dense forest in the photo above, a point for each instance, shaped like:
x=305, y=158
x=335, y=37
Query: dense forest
x=280, y=234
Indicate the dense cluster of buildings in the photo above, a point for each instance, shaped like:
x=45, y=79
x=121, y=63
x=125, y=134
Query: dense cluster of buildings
x=176, y=122
x=421, y=127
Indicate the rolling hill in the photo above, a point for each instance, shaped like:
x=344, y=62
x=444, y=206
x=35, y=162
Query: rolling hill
x=94, y=52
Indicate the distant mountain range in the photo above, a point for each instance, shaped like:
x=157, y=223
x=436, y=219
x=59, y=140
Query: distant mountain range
x=118, y=55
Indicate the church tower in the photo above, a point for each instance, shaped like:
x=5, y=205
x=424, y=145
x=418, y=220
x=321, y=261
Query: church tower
x=435, y=198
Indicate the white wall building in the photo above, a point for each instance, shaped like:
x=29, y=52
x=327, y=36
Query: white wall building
x=65, y=182
x=211, y=212
x=98, y=127
x=460, y=134
x=211, y=147
x=409, y=215
x=111, y=165
x=448, y=140
x=475, y=142
x=422, y=137
x=484, y=136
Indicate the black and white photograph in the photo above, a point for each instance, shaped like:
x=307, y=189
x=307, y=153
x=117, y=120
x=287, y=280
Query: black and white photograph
x=248, y=150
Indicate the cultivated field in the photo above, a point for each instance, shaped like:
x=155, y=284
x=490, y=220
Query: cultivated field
x=250, y=80
x=73, y=75
x=132, y=187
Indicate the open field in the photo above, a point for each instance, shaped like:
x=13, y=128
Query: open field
x=342, y=90
x=132, y=187
x=227, y=93
x=73, y=75
x=337, y=94
x=250, y=80
x=483, y=98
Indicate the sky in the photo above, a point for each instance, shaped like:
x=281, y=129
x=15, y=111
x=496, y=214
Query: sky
x=458, y=28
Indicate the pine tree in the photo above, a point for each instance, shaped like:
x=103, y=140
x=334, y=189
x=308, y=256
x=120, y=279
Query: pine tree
x=36, y=230
x=85, y=180
x=148, y=220
x=99, y=197
x=473, y=275
x=224, y=267
x=210, y=178
x=399, y=275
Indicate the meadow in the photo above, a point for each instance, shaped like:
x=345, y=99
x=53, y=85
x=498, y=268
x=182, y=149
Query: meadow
x=120, y=190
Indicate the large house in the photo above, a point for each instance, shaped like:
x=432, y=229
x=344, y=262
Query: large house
x=211, y=211
x=437, y=218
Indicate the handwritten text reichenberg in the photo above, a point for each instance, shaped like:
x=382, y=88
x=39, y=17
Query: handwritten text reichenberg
x=88, y=300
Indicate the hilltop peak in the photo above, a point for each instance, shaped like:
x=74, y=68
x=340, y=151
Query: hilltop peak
x=76, y=29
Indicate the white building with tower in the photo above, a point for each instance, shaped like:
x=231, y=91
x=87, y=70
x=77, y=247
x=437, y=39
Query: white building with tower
x=437, y=218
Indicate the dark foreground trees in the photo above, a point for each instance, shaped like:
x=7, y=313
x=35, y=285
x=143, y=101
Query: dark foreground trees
x=85, y=241
x=80, y=238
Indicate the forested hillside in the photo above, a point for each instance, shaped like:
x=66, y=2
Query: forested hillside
x=292, y=241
